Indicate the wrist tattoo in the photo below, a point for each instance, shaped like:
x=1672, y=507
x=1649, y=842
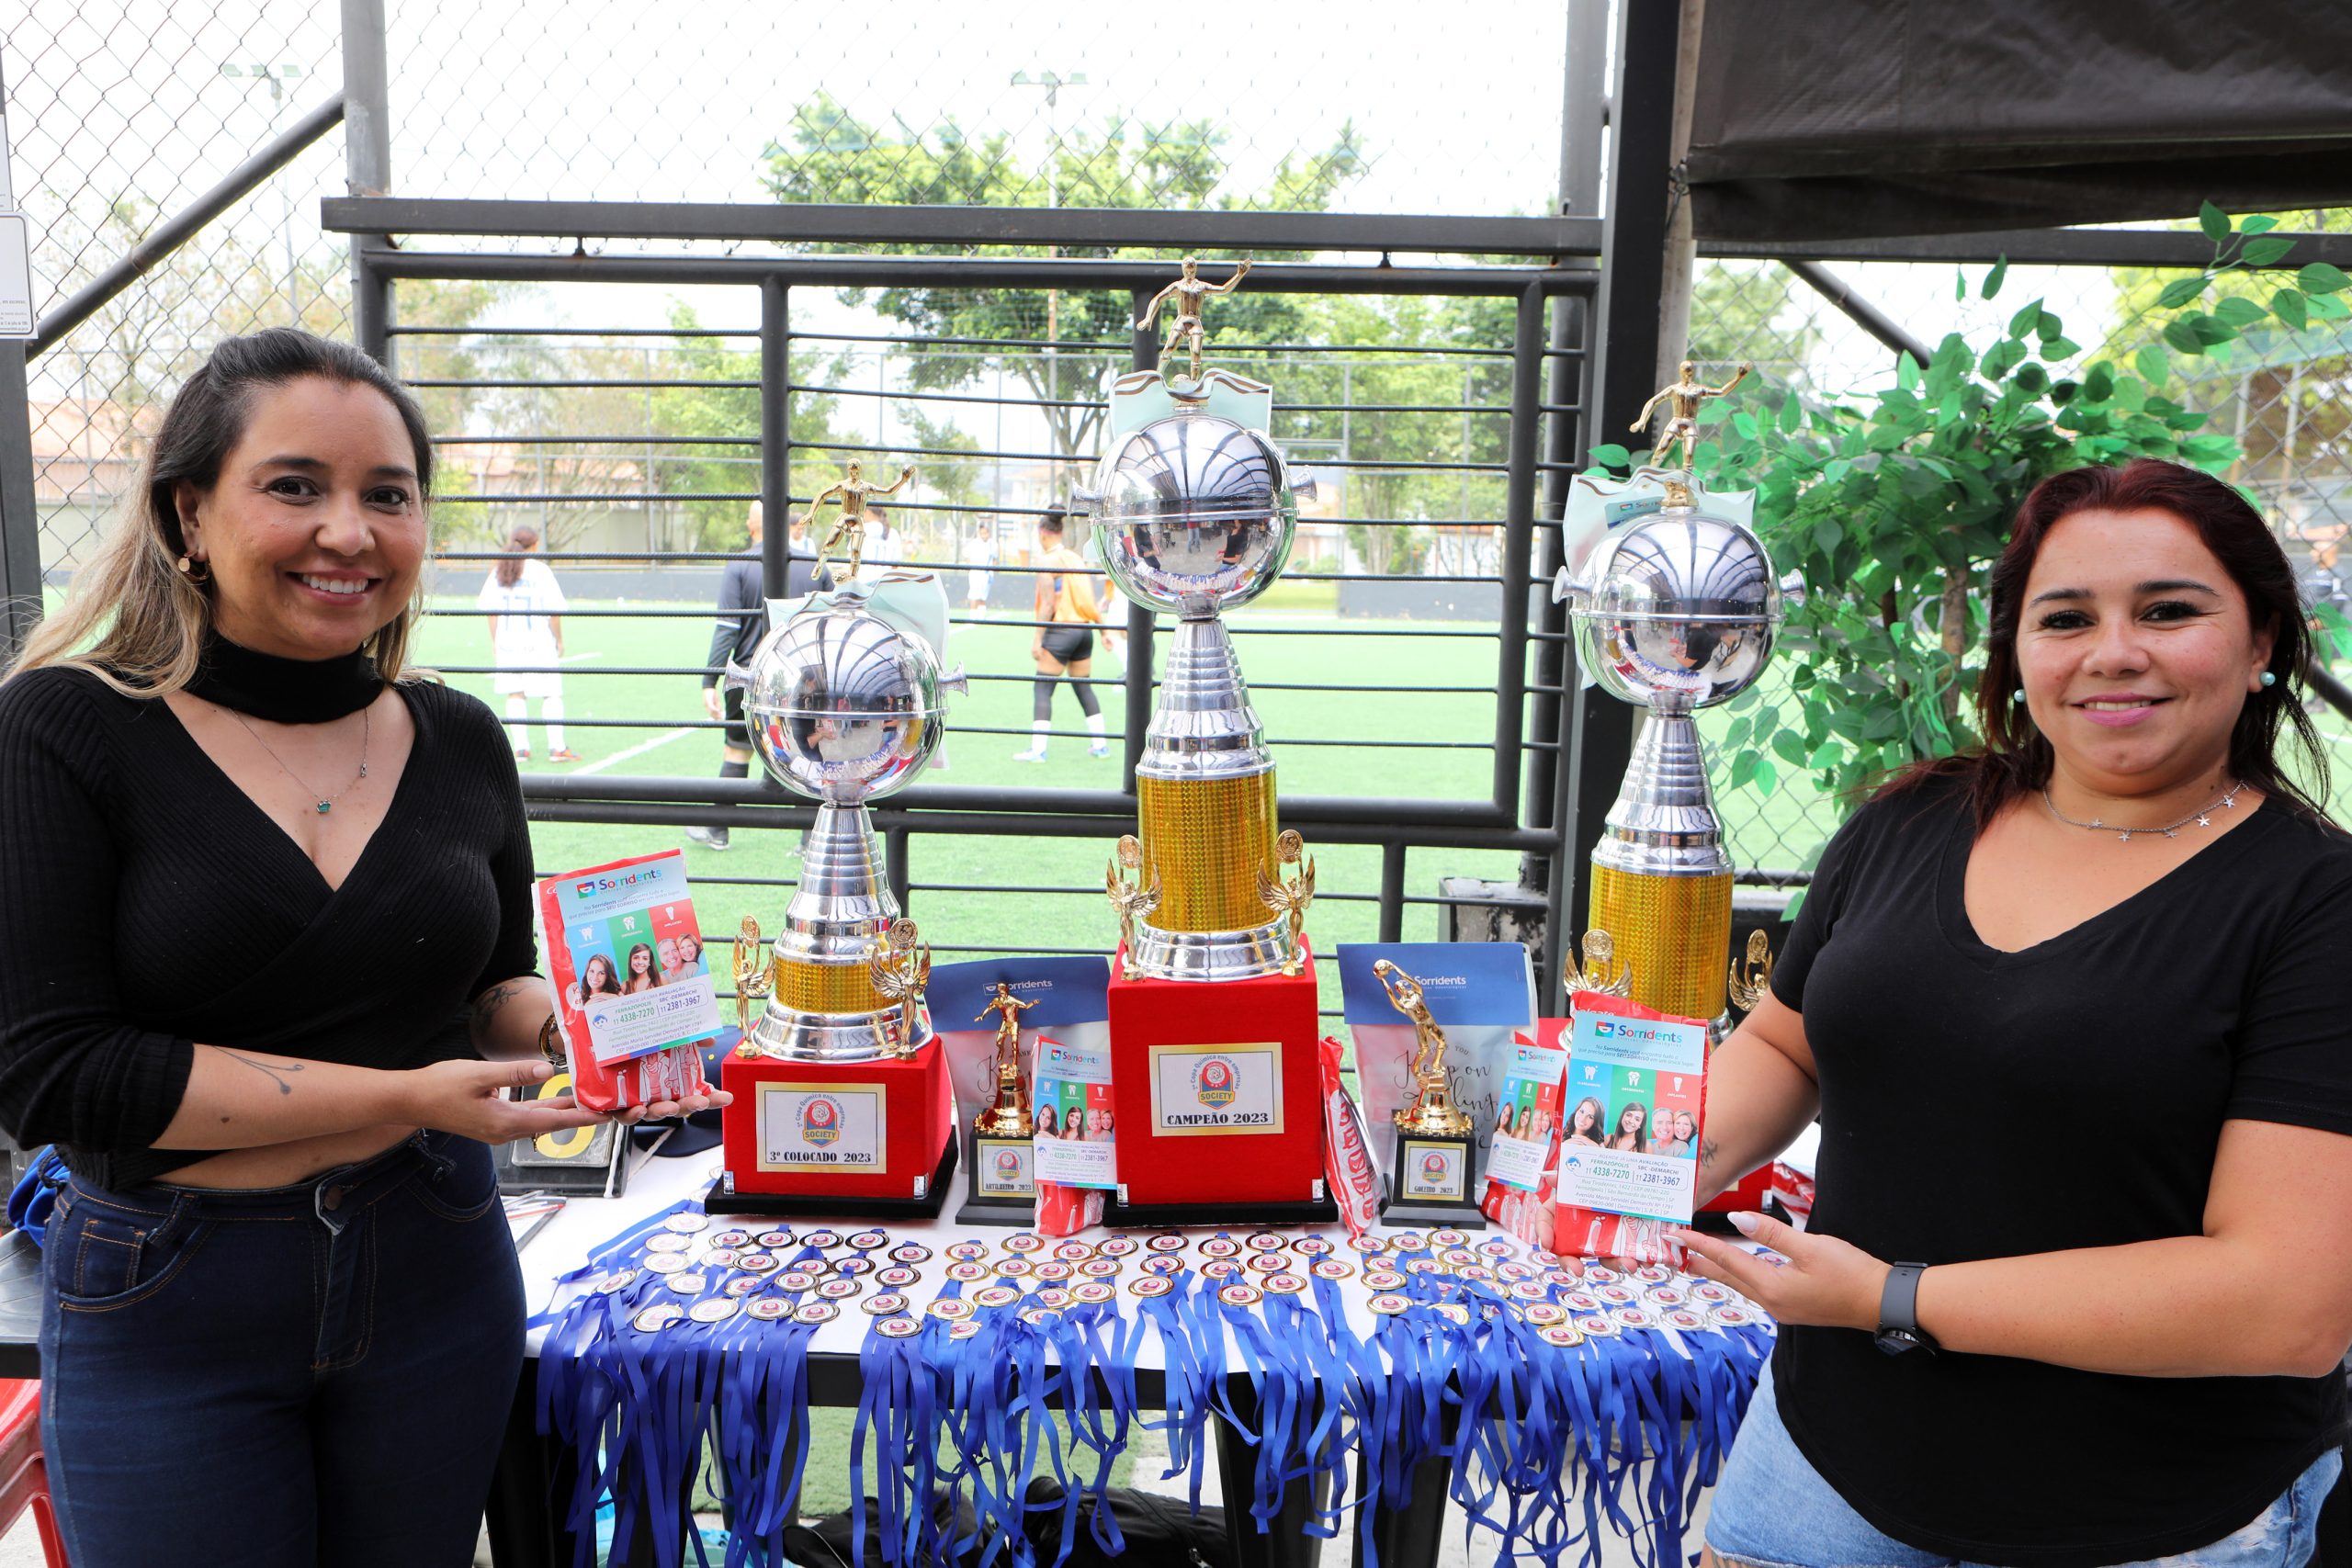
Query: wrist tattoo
x=274, y=1071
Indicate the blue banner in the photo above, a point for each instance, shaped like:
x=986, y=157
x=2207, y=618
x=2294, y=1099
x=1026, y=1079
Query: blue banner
x=1066, y=990
x=1464, y=982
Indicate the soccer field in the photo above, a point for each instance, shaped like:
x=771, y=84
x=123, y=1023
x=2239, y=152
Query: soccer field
x=1331, y=743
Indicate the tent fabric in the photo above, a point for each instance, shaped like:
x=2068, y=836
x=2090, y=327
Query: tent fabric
x=1856, y=119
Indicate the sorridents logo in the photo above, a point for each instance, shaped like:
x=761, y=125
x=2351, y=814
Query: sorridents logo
x=1603, y=1028
x=820, y=1120
x=596, y=885
x=1213, y=1083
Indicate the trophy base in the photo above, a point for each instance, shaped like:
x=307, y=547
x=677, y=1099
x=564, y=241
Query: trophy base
x=1119, y=1215
x=1215, y=1092
x=719, y=1199
x=1248, y=954
x=838, y=1135
x=999, y=1183
x=1434, y=1179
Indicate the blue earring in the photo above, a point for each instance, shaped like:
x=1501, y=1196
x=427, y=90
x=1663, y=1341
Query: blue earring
x=2269, y=678
x=2019, y=695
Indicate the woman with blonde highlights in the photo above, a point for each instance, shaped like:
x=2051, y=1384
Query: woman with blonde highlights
x=283, y=886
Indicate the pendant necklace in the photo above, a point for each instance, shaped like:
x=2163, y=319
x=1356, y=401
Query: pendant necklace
x=2203, y=816
x=325, y=803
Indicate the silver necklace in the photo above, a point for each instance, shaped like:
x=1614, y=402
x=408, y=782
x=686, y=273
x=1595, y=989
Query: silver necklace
x=2203, y=816
x=325, y=802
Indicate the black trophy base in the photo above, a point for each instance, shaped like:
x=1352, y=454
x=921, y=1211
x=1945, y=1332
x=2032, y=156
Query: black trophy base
x=1258, y=1216
x=1010, y=1195
x=719, y=1199
x=1433, y=1180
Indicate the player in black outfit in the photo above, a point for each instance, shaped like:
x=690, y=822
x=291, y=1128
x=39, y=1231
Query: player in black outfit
x=742, y=622
x=2071, y=1011
x=279, y=883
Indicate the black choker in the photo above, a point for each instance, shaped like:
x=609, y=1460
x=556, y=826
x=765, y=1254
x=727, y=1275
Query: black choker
x=284, y=691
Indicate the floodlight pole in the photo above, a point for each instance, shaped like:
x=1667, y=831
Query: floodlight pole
x=368, y=154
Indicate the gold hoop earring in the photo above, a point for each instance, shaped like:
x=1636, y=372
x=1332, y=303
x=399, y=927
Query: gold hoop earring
x=195, y=570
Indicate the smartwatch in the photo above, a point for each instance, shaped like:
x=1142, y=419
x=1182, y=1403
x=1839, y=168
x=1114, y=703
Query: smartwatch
x=1898, y=1315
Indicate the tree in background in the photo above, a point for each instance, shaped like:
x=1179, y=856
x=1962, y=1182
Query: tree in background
x=830, y=155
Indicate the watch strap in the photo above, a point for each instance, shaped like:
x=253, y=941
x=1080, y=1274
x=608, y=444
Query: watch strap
x=1898, y=1310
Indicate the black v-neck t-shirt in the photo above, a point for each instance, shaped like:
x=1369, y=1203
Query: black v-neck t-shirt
x=1977, y=1103
x=147, y=903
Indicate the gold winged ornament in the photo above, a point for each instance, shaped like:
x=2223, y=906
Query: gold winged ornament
x=753, y=981
x=1132, y=899
x=1602, y=972
x=1747, y=989
x=900, y=970
x=1290, y=898
x=1431, y=1111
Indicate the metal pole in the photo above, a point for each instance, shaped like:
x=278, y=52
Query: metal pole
x=1859, y=311
x=1622, y=360
x=368, y=167
x=19, y=517
x=775, y=436
x=1519, y=533
x=1585, y=107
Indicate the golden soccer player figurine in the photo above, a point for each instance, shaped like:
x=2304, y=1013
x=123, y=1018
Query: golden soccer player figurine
x=1683, y=399
x=753, y=981
x=852, y=492
x=1008, y=1116
x=1133, y=900
x=1431, y=1111
x=900, y=971
x=1292, y=897
x=1188, y=292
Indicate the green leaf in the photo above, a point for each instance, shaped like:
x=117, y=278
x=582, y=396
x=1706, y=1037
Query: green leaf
x=1744, y=423
x=2265, y=253
x=2060, y=347
x=2100, y=384
x=2214, y=222
x=2321, y=277
x=2288, y=306
x=1992, y=279
x=1767, y=775
x=2023, y=321
x=1792, y=415
x=2261, y=224
x=2153, y=365
x=1789, y=746
x=2239, y=312
x=1743, y=768
x=2179, y=292
x=2183, y=336
x=1906, y=371
x=2328, y=306
x=2212, y=330
x=1610, y=455
x=1826, y=534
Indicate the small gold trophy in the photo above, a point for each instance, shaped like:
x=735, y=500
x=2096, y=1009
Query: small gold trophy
x=852, y=492
x=1001, y=1187
x=1435, y=1147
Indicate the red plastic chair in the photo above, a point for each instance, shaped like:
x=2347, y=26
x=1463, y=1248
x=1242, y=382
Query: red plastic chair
x=24, y=1473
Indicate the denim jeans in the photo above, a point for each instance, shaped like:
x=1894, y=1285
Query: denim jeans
x=1774, y=1510
x=288, y=1378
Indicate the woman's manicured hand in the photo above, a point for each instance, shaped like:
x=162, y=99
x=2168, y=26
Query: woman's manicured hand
x=1825, y=1283
x=469, y=1097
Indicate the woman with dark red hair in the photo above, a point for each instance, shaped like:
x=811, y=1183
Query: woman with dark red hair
x=2114, y=1335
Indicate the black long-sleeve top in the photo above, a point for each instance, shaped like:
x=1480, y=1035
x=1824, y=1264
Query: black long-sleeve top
x=146, y=904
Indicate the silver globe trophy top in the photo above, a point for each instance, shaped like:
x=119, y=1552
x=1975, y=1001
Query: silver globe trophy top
x=1674, y=611
x=1192, y=514
x=843, y=700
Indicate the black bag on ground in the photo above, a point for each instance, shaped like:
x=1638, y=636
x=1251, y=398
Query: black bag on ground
x=1158, y=1532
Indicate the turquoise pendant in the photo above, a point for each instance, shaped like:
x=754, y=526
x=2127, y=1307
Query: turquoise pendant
x=325, y=807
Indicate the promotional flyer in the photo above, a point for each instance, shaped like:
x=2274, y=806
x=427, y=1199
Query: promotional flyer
x=1075, y=1140
x=625, y=954
x=1527, y=1114
x=1636, y=1091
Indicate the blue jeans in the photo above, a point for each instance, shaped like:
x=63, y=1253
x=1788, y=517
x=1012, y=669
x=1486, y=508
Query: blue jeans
x=284, y=1378
x=1772, y=1509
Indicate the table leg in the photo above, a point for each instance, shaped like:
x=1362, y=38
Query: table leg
x=1407, y=1531
x=1287, y=1544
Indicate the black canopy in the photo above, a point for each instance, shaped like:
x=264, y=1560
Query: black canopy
x=1856, y=118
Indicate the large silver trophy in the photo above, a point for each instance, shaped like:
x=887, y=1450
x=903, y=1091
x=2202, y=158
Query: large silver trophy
x=1674, y=613
x=843, y=700
x=1193, y=513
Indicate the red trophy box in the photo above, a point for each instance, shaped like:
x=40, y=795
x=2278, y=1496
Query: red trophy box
x=1215, y=1086
x=837, y=1138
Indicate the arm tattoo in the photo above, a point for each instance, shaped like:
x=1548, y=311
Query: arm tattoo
x=1708, y=1149
x=488, y=1006
x=273, y=1071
